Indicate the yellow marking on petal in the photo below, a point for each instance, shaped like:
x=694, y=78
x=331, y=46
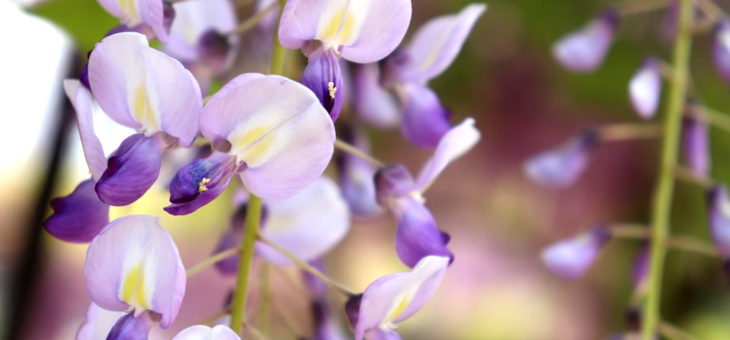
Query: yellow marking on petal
x=253, y=144
x=401, y=307
x=143, y=111
x=133, y=288
x=201, y=185
x=340, y=28
x=129, y=7
x=331, y=87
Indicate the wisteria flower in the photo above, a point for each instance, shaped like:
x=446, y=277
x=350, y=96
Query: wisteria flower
x=718, y=205
x=147, y=90
x=202, y=332
x=584, y=50
x=721, y=49
x=156, y=15
x=270, y=130
x=133, y=264
x=418, y=235
x=98, y=323
x=562, y=166
x=572, y=257
x=356, y=177
x=645, y=88
x=696, y=146
x=361, y=31
x=394, y=298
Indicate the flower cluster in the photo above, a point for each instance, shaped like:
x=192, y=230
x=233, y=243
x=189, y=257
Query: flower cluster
x=277, y=136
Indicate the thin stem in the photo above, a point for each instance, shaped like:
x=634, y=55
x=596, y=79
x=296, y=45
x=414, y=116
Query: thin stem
x=632, y=7
x=687, y=175
x=253, y=20
x=306, y=267
x=351, y=149
x=278, y=51
x=630, y=231
x=211, y=261
x=671, y=332
x=263, y=315
x=255, y=332
x=711, y=116
x=693, y=245
x=240, y=295
x=665, y=183
x=622, y=131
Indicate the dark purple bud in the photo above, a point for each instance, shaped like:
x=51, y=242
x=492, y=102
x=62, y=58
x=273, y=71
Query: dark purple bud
x=214, y=50
x=168, y=14
x=633, y=320
x=130, y=328
x=721, y=49
x=562, y=166
x=718, y=206
x=352, y=309
x=572, y=257
x=232, y=239
x=200, y=182
x=131, y=170
x=78, y=217
x=417, y=235
x=84, y=77
x=325, y=325
x=324, y=77
x=696, y=146
x=392, y=66
x=391, y=182
x=425, y=120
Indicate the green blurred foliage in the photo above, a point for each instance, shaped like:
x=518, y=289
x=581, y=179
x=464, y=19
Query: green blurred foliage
x=85, y=20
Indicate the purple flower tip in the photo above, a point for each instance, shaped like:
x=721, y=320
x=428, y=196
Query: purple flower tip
x=418, y=235
x=584, y=50
x=392, y=181
x=719, y=218
x=214, y=49
x=324, y=77
x=696, y=146
x=562, y=166
x=129, y=327
x=425, y=119
x=352, y=309
x=168, y=14
x=645, y=88
x=572, y=257
x=78, y=217
x=721, y=49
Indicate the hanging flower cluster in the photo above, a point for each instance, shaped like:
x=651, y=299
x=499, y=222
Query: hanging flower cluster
x=272, y=138
x=685, y=129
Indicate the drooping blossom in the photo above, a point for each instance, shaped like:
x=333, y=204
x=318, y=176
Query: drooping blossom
x=572, y=257
x=696, y=145
x=361, y=31
x=78, y=217
x=433, y=48
x=308, y=225
x=562, y=166
x=645, y=88
x=356, y=176
x=98, y=323
x=394, y=298
x=721, y=49
x=144, y=89
x=202, y=332
x=585, y=49
x=154, y=15
x=718, y=205
x=374, y=103
x=132, y=327
x=133, y=264
x=270, y=130
x=418, y=235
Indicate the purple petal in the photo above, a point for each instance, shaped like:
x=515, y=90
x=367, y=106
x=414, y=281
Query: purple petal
x=98, y=323
x=696, y=146
x=437, y=43
x=82, y=102
x=721, y=49
x=641, y=267
x=325, y=325
x=584, y=50
x=129, y=327
x=455, y=143
x=153, y=15
x=78, y=217
x=134, y=263
x=382, y=30
x=572, y=257
x=131, y=170
x=719, y=218
x=395, y=297
x=373, y=103
x=562, y=166
x=645, y=88
x=324, y=77
x=193, y=18
x=200, y=182
x=201, y=332
x=392, y=182
x=417, y=235
x=308, y=224
x=379, y=334
x=425, y=120
x=143, y=88
x=356, y=178
x=315, y=285
x=282, y=137
x=231, y=239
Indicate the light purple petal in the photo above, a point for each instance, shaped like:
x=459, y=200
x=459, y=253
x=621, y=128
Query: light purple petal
x=425, y=120
x=562, y=166
x=135, y=263
x=696, y=146
x=455, y=143
x=143, y=88
x=641, y=267
x=382, y=29
x=645, y=88
x=78, y=217
x=721, y=49
x=719, y=217
x=131, y=170
x=152, y=13
x=437, y=43
x=82, y=101
x=278, y=130
x=307, y=224
x=324, y=77
x=129, y=327
x=395, y=297
x=200, y=182
x=356, y=177
x=392, y=182
x=379, y=334
x=193, y=18
x=201, y=332
x=300, y=21
x=98, y=323
x=417, y=235
x=584, y=50
x=326, y=326
x=231, y=239
x=373, y=103
x=571, y=258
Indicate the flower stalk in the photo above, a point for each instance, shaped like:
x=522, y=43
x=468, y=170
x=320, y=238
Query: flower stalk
x=240, y=295
x=664, y=189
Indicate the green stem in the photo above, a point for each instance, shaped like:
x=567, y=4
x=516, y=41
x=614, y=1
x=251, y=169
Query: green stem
x=240, y=295
x=211, y=261
x=278, y=51
x=665, y=184
x=670, y=331
x=351, y=149
x=253, y=20
x=263, y=317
